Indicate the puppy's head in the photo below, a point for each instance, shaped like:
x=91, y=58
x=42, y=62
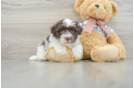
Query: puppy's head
x=66, y=31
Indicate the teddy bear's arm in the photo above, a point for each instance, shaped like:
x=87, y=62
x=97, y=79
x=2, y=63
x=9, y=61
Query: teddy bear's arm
x=117, y=42
x=77, y=5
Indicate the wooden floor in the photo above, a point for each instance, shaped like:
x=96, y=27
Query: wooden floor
x=18, y=73
x=25, y=23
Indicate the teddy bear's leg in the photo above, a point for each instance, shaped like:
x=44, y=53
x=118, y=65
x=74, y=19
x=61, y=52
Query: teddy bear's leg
x=105, y=53
x=110, y=52
x=117, y=42
x=77, y=5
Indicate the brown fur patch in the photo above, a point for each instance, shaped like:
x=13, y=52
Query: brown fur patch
x=48, y=38
x=55, y=29
x=43, y=43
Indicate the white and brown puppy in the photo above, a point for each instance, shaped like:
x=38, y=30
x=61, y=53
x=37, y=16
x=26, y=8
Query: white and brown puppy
x=64, y=33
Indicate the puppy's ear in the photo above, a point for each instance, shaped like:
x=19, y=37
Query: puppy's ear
x=79, y=28
x=53, y=29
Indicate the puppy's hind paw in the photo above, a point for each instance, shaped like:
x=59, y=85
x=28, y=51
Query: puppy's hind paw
x=42, y=58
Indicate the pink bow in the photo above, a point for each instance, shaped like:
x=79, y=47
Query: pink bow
x=91, y=23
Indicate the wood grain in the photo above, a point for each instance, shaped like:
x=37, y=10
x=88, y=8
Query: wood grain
x=21, y=40
x=25, y=23
x=84, y=74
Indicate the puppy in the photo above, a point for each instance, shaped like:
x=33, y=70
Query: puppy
x=64, y=33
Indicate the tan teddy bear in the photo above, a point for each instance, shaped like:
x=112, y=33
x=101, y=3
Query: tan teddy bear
x=98, y=44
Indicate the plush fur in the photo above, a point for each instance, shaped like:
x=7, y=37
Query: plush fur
x=95, y=45
x=62, y=43
x=106, y=10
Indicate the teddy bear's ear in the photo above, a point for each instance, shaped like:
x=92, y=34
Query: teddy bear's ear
x=115, y=8
x=78, y=4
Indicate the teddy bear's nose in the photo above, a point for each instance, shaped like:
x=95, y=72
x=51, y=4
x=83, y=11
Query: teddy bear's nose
x=97, y=6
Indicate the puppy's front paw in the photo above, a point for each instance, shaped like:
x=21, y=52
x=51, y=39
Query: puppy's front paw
x=60, y=50
x=77, y=52
x=77, y=55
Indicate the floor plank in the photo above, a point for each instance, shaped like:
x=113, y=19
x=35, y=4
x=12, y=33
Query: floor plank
x=21, y=73
x=25, y=23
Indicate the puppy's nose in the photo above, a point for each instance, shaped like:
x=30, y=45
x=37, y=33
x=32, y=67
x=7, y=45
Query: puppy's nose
x=97, y=6
x=68, y=38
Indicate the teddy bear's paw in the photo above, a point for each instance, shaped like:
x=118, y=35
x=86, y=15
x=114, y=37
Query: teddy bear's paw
x=106, y=53
x=60, y=50
x=42, y=58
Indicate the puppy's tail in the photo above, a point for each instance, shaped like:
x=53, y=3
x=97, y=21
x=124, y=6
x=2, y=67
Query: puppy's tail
x=34, y=57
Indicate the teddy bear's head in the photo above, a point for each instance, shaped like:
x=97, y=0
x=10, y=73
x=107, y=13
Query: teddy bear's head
x=98, y=9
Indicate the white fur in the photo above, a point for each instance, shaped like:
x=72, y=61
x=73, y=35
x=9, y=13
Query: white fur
x=68, y=22
x=34, y=57
x=60, y=49
x=63, y=36
x=46, y=44
x=77, y=49
x=40, y=54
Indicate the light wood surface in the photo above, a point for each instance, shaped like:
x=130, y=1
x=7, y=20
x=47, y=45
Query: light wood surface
x=18, y=73
x=25, y=23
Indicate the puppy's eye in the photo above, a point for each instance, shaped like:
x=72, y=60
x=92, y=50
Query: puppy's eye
x=62, y=31
x=72, y=31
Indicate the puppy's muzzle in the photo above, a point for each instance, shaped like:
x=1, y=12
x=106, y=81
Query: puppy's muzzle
x=68, y=38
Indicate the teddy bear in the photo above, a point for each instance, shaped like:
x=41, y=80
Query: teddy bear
x=67, y=57
x=100, y=42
